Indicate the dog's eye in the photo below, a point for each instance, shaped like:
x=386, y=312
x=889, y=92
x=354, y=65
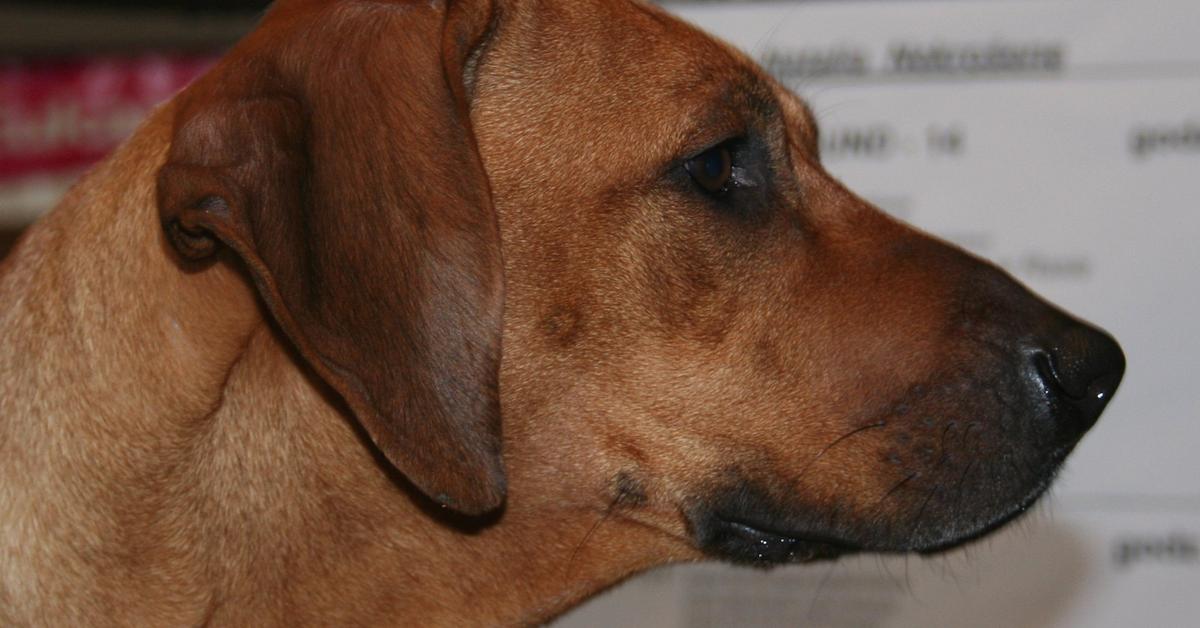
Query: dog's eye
x=712, y=169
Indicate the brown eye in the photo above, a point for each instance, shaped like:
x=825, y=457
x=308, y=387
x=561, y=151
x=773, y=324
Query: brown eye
x=711, y=169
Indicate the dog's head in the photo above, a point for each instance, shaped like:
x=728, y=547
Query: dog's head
x=696, y=319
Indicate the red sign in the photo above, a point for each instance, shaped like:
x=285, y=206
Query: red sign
x=64, y=114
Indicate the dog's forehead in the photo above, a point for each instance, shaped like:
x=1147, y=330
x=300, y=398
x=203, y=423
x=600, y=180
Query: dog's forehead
x=663, y=56
x=625, y=77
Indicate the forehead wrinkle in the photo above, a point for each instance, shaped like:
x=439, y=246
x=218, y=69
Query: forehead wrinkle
x=732, y=107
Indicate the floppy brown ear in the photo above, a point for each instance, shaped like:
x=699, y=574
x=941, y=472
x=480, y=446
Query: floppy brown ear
x=353, y=191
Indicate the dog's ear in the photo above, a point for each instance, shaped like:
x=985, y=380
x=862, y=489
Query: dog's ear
x=354, y=194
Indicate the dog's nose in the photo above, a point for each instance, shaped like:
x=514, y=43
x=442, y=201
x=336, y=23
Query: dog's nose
x=1079, y=369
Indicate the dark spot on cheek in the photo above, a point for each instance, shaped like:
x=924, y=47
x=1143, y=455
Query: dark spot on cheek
x=634, y=452
x=628, y=490
x=563, y=325
x=766, y=357
x=692, y=298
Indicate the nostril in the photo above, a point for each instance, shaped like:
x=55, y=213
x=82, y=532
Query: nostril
x=1048, y=371
x=1081, y=370
x=1079, y=384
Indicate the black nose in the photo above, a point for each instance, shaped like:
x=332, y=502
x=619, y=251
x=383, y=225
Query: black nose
x=1080, y=369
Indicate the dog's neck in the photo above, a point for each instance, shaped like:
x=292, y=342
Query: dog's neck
x=197, y=471
x=337, y=532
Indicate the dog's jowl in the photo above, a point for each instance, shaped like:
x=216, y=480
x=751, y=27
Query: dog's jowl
x=459, y=312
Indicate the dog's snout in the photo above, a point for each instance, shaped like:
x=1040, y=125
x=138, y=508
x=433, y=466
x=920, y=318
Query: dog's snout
x=1079, y=369
x=1071, y=369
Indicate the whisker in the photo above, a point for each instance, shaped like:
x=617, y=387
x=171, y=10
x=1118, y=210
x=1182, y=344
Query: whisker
x=958, y=486
x=895, y=487
x=575, y=553
x=918, y=522
x=840, y=439
x=820, y=588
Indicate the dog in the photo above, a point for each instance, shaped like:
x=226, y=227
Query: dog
x=457, y=313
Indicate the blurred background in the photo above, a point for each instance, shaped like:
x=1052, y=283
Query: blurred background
x=77, y=77
x=1060, y=138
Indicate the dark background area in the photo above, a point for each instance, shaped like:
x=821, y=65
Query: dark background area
x=189, y=5
x=86, y=33
x=8, y=237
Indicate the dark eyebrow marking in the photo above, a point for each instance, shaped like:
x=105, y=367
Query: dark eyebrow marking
x=732, y=108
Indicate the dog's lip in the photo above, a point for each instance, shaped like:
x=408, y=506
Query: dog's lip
x=790, y=546
x=1019, y=509
x=773, y=545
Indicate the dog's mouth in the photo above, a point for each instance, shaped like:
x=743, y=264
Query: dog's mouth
x=740, y=541
x=744, y=526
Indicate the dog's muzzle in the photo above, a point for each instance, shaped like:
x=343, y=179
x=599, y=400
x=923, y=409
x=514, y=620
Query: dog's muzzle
x=940, y=458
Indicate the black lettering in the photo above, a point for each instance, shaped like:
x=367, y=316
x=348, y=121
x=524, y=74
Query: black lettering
x=967, y=58
x=945, y=140
x=1175, y=547
x=810, y=63
x=1148, y=140
x=869, y=141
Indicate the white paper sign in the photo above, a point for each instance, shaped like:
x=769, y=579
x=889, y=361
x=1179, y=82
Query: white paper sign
x=1062, y=139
